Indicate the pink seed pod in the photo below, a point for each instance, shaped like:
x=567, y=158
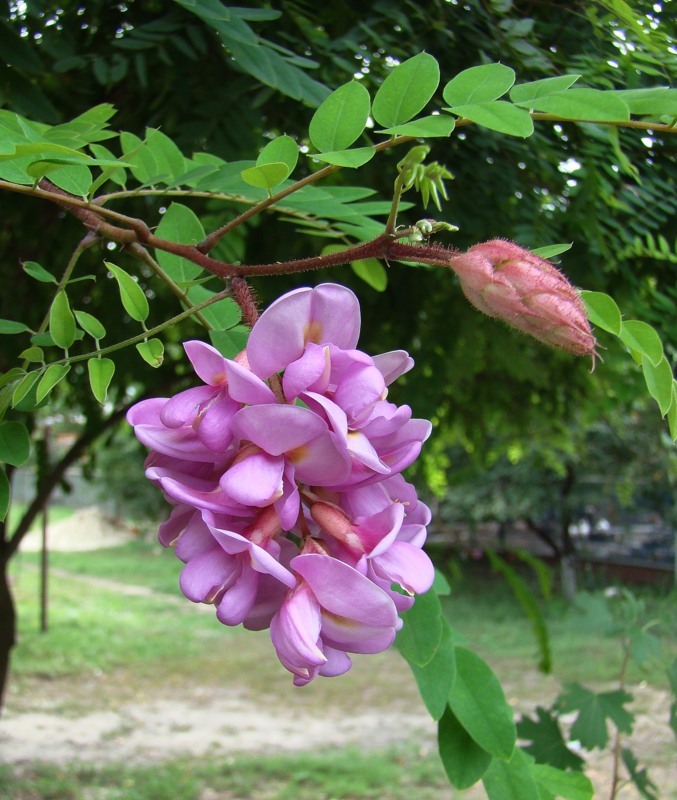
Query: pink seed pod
x=504, y=280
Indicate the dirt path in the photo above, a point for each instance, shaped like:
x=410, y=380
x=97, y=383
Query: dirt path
x=98, y=720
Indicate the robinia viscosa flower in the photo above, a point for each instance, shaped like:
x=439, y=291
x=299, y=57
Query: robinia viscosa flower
x=290, y=512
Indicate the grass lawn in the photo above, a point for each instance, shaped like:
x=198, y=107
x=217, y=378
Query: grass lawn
x=106, y=647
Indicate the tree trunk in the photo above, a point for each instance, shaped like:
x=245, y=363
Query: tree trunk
x=567, y=572
x=7, y=625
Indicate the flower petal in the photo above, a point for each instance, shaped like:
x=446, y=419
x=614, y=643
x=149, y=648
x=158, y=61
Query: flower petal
x=254, y=481
x=277, y=428
x=207, y=362
x=246, y=387
x=185, y=406
x=205, y=577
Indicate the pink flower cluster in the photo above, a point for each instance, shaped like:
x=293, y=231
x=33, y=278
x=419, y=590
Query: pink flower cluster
x=283, y=467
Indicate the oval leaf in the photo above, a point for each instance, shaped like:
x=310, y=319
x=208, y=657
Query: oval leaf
x=437, y=125
x=90, y=325
x=406, y=90
x=33, y=354
x=498, y=116
x=53, y=374
x=602, y=311
x=421, y=632
x=511, y=780
x=24, y=386
x=266, y=176
x=464, y=760
x=283, y=149
x=101, y=372
x=347, y=158
x=341, y=118
x=642, y=337
x=61, y=321
x=38, y=272
x=478, y=702
x=436, y=679
x=479, y=85
x=659, y=382
x=152, y=352
x=552, y=250
x=133, y=298
x=372, y=273
x=15, y=443
x=525, y=93
x=10, y=326
x=179, y=224
x=593, y=105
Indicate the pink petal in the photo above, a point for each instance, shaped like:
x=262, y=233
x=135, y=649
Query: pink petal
x=378, y=532
x=146, y=412
x=207, y=362
x=185, y=406
x=239, y=599
x=360, y=389
x=393, y=364
x=254, y=481
x=321, y=462
x=295, y=632
x=195, y=540
x=357, y=637
x=245, y=387
x=409, y=566
x=343, y=591
x=328, y=313
x=277, y=428
x=171, y=528
x=338, y=662
x=311, y=371
x=213, y=427
x=205, y=577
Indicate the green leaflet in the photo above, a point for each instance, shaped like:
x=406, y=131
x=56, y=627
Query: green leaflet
x=602, y=311
x=525, y=93
x=478, y=702
x=436, y=679
x=372, y=273
x=437, y=125
x=341, y=118
x=101, y=371
x=152, y=352
x=132, y=295
x=659, y=382
x=421, y=632
x=266, y=176
x=498, y=115
x=90, y=325
x=406, y=90
x=282, y=149
x=15, y=443
x=593, y=105
x=643, y=338
x=179, y=224
x=463, y=759
x=479, y=85
x=53, y=375
x=38, y=272
x=511, y=780
x=61, y=321
x=347, y=158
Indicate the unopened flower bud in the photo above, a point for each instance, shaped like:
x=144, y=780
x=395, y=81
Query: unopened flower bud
x=506, y=281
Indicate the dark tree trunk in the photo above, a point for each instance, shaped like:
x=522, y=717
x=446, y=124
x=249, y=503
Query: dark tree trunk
x=7, y=624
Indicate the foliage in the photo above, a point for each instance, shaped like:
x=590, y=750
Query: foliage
x=185, y=257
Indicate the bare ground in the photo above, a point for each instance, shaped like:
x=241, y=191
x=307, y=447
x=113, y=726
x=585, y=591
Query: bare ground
x=118, y=718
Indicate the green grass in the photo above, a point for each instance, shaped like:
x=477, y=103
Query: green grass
x=140, y=562
x=56, y=514
x=339, y=774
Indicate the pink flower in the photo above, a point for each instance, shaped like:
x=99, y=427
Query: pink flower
x=333, y=610
x=283, y=470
